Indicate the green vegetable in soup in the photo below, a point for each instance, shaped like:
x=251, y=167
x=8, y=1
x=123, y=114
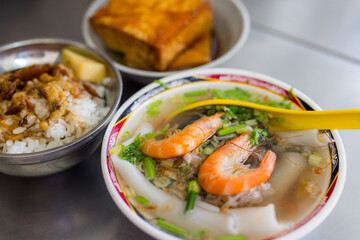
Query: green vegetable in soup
x=246, y=129
x=162, y=84
x=237, y=94
x=241, y=114
x=198, y=233
x=277, y=104
x=132, y=152
x=149, y=166
x=142, y=200
x=290, y=94
x=125, y=136
x=188, y=100
x=256, y=134
x=196, y=93
x=153, y=108
x=153, y=112
x=157, y=133
x=229, y=130
x=193, y=189
x=171, y=228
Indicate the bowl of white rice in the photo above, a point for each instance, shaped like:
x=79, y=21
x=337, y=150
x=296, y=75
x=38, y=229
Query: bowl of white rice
x=56, y=99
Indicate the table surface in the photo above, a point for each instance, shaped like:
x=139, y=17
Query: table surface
x=311, y=45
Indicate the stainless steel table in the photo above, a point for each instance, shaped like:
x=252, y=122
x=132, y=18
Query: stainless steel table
x=312, y=45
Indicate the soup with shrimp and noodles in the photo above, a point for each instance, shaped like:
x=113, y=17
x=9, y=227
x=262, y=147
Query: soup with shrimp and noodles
x=220, y=170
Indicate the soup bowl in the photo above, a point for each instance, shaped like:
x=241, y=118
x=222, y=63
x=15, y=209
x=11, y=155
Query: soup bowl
x=124, y=181
x=25, y=53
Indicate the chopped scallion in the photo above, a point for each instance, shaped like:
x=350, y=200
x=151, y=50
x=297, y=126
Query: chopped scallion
x=190, y=203
x=229, y=130
x=162, y=84
x=153, y=112
x=256, y=134
x=246, y=129
x=157, y=133
x=193, y=189
x=171, y=228
x=237, y=93
x=125, y=136
x=154, y=104
x=198, y=233
x=196, y=93
x=188, y=100
x=290, y=94
x=153, y=108
x=142, y=200
x=149, y=167
x=194, y=186
x=132, y=151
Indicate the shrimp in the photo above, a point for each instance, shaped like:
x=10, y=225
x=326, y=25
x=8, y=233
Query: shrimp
x=184, y=141
x=224, y=172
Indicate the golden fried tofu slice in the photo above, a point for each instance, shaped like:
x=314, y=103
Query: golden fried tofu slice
x=152, y=32
x=197, y=54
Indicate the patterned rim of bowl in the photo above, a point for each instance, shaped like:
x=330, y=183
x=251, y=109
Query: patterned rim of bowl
x=270, y=84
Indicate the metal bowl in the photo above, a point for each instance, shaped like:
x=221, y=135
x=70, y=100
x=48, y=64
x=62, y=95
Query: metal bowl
x=231, y=26
x=40, y=51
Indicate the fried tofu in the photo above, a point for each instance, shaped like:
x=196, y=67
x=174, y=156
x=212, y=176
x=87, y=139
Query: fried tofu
x=152, y=33
x=197, y=54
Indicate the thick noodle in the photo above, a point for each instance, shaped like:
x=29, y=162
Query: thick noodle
x=312, y=138
x=234, y=222
x=289, y=166
x=257, y=222
x=171, y=208
x=242, y=221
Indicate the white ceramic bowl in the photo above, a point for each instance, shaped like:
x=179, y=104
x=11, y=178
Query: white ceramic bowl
x=257, y=82
x=231, y=23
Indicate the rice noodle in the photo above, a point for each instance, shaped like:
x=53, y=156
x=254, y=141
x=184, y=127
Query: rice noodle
x=289, y=170
x=257, y=222
x=310, y=138
x=201, y=218
x=231, y=222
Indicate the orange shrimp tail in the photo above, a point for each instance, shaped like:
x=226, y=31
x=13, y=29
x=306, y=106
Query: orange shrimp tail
x=214, y=177
x=185, y=141
x=259, y=175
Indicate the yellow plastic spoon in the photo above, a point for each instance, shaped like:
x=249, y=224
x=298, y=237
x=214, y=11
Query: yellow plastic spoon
x=284, y=119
